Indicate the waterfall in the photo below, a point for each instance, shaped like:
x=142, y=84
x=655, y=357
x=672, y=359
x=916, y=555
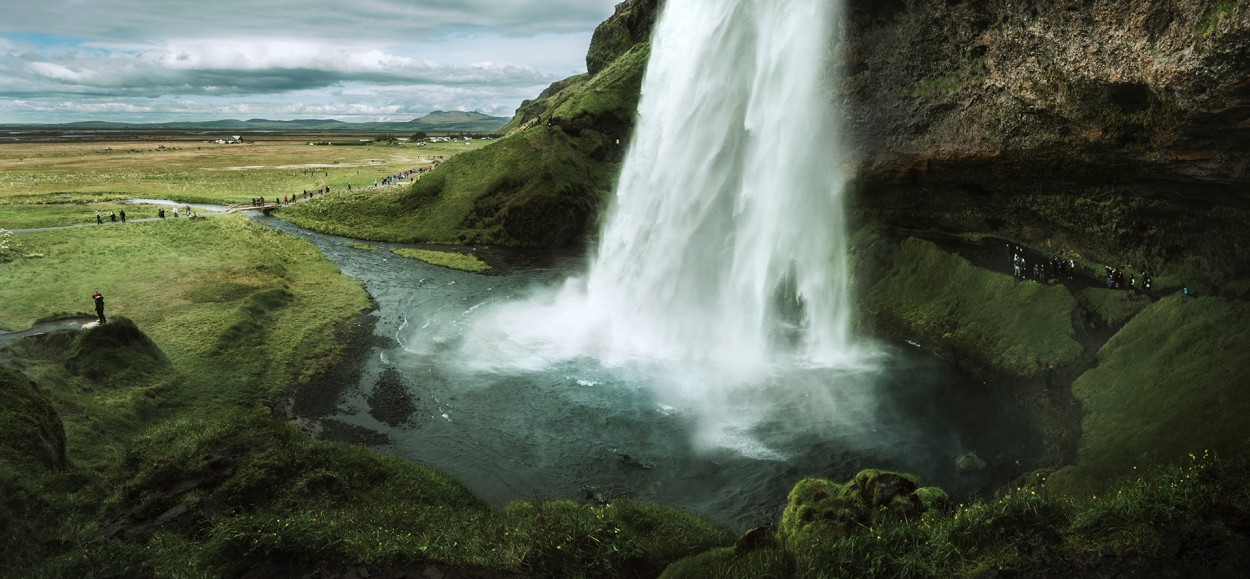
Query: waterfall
x=720, y=278
x=729, y=203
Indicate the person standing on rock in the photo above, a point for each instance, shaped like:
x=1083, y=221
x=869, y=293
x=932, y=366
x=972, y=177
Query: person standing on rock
x=99, y=305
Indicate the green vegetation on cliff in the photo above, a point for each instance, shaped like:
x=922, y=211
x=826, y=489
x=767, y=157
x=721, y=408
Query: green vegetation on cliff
x=1171, y=382
x=542, y=185
x=990, y=320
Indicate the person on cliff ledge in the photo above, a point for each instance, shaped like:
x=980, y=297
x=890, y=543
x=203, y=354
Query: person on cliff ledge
x=99, y=305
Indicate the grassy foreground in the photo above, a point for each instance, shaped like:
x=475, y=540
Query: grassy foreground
x=150, y=446
x=1185, y=520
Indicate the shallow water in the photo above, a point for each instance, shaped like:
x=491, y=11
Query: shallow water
x=179, y=204
x=581, y=429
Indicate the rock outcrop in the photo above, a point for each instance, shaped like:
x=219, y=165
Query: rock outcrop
x=1112, y=128
x=822, y=510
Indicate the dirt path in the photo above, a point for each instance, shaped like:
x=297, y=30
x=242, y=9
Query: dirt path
x=61, y=325
x=76, y=226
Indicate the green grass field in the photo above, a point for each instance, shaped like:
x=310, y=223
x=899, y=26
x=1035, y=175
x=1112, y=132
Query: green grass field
x=170, y=456
x=46, y=184
x=157, y=445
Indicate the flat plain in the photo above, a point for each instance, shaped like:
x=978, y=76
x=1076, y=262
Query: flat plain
x=58, y=182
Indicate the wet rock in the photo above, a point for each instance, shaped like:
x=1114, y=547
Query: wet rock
x=172, y=514
x=970, y=463
x=753, y=539
x=630, y=462
x=390, y=402
x=339, y=431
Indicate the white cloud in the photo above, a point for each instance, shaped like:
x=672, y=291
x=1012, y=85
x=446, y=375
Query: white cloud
x=386, y=21
x=377, y=57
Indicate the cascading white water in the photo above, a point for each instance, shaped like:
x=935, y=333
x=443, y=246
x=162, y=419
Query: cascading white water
x=719, y=282
x=729, y=200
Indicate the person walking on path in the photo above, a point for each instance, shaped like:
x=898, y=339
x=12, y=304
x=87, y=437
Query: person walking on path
x=123, y=215
x=99, y=305
x=98, y=220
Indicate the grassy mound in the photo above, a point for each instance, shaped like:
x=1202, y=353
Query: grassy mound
x=987, y=319
x=31, y=433
x=115, y=353
x=1179, y=520
x=1109, y=307
x=32, y=445
x=224, y=498
x=1171, y=382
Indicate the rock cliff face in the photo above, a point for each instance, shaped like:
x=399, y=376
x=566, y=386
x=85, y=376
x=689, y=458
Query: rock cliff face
x=1115, y=129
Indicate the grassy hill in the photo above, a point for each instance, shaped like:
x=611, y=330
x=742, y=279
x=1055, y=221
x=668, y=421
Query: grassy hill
x=542, y=184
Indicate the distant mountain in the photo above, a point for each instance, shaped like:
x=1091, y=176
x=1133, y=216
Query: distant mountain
x=435, y=122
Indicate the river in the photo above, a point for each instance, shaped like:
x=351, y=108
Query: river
x=586, y=431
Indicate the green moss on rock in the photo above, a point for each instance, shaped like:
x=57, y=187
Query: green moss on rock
x=31, y=433
x=819, y=510
x=630, y=25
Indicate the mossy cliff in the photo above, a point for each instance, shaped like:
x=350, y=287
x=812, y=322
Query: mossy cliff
x=1113, y=133
x=1114, y=130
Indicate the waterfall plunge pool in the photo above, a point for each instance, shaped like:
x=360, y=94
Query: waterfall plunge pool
x=584, y=430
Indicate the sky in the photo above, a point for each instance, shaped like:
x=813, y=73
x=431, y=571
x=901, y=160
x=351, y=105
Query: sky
x=357, y=60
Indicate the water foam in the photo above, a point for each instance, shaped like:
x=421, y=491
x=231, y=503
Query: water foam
x=722, y=263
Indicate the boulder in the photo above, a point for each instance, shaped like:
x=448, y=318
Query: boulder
x=970, y=463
